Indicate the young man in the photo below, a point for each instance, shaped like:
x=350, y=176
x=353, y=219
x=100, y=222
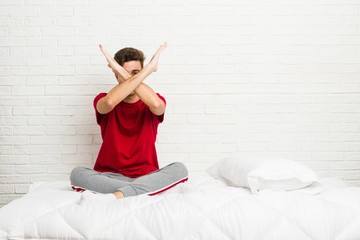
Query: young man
x=128, y=115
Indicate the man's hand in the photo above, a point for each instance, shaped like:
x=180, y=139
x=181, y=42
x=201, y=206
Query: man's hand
x=155, y=59
x=120, y=73
x=112, y=63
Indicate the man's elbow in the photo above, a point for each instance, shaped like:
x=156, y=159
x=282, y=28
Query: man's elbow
x=158, y=108
x=105, y=106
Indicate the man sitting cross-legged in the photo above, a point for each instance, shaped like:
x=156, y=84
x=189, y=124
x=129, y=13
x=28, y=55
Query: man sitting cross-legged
x=128, y=115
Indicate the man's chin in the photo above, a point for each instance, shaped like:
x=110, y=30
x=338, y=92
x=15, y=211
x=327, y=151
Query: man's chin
x=131, y=95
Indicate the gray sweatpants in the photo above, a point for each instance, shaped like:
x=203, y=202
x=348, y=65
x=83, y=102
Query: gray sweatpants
x=153, y=183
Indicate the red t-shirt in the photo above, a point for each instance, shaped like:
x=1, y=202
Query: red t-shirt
x=129, y=135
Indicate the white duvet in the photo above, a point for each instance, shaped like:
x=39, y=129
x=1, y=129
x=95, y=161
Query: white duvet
x=202, y=208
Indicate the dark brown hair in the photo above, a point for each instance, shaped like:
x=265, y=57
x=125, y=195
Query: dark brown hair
x=129, y=54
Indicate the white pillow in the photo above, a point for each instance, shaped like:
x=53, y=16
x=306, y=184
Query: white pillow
x=259, y=173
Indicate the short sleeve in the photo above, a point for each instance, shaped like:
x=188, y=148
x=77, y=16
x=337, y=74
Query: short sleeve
x=161, y=117
x=99, y=116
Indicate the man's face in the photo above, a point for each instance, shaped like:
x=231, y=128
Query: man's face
x=132, y=67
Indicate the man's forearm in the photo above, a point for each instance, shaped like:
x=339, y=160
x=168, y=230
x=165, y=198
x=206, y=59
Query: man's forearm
x=122, y=90
x=118, y=69
x=132, y=83
x=150, y=98
x=145, y=93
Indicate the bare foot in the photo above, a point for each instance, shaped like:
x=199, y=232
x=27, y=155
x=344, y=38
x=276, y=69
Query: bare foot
x=118, y=195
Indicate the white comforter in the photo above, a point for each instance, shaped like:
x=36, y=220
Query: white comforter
x=202, y=208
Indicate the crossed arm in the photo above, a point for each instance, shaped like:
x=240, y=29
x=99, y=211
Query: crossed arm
x=131, y=84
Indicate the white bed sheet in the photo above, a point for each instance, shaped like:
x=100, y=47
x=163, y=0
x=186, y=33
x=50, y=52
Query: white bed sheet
x=202, y=208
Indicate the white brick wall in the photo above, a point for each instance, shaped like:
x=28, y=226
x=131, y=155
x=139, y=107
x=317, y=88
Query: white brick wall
x=277, y=78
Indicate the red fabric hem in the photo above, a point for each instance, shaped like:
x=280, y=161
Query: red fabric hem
x=168, y=187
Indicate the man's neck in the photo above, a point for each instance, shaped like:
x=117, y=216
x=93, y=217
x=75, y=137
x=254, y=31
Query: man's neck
x=132, y=98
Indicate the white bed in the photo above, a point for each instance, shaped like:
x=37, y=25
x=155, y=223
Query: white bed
x=202, y=208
